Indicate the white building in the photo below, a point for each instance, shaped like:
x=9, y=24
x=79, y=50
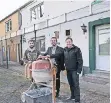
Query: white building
x=38, y=12
x=94, y=43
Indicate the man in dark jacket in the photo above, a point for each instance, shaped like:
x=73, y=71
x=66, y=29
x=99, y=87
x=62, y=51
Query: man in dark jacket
x=56, y=54
x=74, y=63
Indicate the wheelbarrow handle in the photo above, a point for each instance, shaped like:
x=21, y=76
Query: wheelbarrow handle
x=43, y=58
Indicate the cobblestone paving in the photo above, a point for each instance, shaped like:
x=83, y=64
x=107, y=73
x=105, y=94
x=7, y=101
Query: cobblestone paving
x=12, y=84
x=86, y=96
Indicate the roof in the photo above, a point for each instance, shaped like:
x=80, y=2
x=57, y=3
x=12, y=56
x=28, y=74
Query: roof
x=17, y=10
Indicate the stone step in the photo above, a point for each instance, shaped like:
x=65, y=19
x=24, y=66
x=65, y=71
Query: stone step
x=101, y=72
x=92, y=83
x=100, y=87
x=99, y=75
x=96, y=88
x=94, y=79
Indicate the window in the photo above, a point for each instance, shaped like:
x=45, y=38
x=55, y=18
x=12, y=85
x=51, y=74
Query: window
x=68, y=32
x=33, y=13
x=104, y=43
x=8, y=26
x=40, y=11
x=37, y=12
x=3, y=48
x=40, y=43
x=57, y=34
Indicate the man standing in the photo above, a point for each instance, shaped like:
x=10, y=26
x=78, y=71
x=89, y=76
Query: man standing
x=74, y=63
x=30, y=55
x=56, y=54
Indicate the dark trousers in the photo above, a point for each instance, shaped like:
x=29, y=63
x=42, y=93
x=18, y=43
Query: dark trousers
x=58, y=81
x=73, y=79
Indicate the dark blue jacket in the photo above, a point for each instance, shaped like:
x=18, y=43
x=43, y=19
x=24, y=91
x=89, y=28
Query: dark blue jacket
x=73, y=59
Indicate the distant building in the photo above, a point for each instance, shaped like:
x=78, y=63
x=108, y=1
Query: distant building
x=9, y=32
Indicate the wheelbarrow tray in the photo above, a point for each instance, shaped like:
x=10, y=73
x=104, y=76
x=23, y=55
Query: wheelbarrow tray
x=38, y=96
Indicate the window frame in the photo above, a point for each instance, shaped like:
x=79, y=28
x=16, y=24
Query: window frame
x=38, y=12
x=70, y=30
x=102, y=53
x=8, y=23
x=38, y=40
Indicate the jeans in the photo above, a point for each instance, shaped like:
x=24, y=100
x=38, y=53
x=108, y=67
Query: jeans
x=73, y=79
x=58, y=81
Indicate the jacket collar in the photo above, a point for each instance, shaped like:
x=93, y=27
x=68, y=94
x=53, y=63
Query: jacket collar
x=31, y=50
x=55, y=46
x=66, y=48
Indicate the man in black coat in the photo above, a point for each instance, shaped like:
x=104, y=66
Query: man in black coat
x=56, y=54
x=74, y=63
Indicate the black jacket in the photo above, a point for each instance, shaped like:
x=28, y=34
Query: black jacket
x=73, y=59
x=59, y=57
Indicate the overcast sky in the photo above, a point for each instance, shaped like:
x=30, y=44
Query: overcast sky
x=8, y=6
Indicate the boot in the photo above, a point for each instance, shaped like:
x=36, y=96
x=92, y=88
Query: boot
x=57, y=93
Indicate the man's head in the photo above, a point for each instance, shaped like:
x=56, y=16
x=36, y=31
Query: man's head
x=53, y=41
x=69, y=42
x=31, y=43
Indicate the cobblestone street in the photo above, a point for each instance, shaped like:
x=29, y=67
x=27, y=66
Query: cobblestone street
x=12, y=84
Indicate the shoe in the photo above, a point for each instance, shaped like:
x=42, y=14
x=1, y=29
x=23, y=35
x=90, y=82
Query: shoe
x=70, y=98
x=57, y=94
x=77, y=101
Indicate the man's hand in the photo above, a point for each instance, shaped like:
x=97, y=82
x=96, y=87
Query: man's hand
x=78, y=73
x=40, y=56
x=29, y=61
x=48, y=56
x=65, y=72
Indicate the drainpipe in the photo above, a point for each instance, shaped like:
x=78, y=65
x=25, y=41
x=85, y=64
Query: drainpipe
x=35, y=37
x=20, y=24
x=21, y=44
x=90, y=9
x=1, y=52
x=6, y=53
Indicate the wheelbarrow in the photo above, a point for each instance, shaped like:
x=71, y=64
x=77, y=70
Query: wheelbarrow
x=44, y=75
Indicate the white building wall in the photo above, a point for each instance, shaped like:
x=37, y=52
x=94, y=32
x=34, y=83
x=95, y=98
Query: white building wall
x=58, y=7
x=103, y=7
x=74, y=21
x=48, y=33
x=51, y=9
x=26, y=15
x=79, y=39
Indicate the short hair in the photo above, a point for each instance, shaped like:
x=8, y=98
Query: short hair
x=30, y=40
x=69, y=39
x=54, y=38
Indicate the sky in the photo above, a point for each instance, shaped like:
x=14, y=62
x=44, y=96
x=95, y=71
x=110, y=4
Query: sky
x=8, y=6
